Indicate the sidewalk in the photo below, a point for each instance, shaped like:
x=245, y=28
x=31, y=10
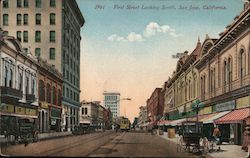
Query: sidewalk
x=41, y=136
x=228, y=150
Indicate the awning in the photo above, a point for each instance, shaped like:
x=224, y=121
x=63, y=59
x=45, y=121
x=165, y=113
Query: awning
x=211, y=117
x=177, y=122
x=236, y=116
x=163, y=122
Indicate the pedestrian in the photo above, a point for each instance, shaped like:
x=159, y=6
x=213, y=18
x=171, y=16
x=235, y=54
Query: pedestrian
x=246, y=138
x=217, y=134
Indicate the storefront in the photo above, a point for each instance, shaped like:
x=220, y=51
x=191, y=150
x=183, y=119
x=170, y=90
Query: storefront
x=43, y=117
x=234, y=122
x=55, y=119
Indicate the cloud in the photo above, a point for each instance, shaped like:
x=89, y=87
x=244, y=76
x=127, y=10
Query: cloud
x=132, y=37
x=151, y=30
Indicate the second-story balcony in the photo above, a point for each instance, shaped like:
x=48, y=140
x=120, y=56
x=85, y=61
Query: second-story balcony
x=11, y=92
x=30, y=97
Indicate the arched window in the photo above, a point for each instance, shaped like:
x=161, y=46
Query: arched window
x=27, y=85
x=230, y=72
x=59, y=98
x=242, y=64
x=225, y=72
x=41, y=91
x=20, y=80
x=54, y=94
x=6, y=77
x=48, y=93
x=11, y=78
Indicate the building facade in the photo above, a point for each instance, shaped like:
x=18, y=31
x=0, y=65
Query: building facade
x=50, y=29
x=89, y=113
x=143, y=116
x=155, y=106
x=18, y=81
x=50, y=97
x=215, y=76
x=112, y=101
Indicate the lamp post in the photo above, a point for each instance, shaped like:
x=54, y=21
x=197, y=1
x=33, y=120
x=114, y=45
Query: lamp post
x=196, y=106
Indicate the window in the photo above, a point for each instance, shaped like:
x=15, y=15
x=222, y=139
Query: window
x=6, y=4
x=54, y=95
x=25, y=50
x=5, y=19
x=19, y=19
x=52, y=18
x=18, y=3
x=27, y=85
x=20, y=79
x=38, y=36
x=37, y=52
x=38, y=19
x=230, y=73
x=25, y=19
x=41, y=91
x=6, y=77
x=25, y=36
x=19, y=35
x=38, y=4
x=33, y=87
x=52, y=53
x=25, y=3
x=59, y=97
x=86, y=111
x=52, y=36
x=11, y=78
x=48, y=93
x=242, y=63
x=52, y=3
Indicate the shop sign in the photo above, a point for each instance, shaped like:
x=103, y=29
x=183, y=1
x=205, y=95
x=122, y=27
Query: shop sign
x=56, y=112
x=225, y=106
x=31, y=112
x=20, y=110
x=7, y=108
x=44, y=105
x=206, y=110
x=243, y=102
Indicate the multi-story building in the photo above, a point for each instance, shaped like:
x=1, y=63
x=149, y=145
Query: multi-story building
x=155, y=106
x=89, y=113
x=50, y=97
x=112, y=101
x=18, y=81
x=143, y=117
x=101, y=110
x=216, y=78
x=225, y=76
x=50, y=29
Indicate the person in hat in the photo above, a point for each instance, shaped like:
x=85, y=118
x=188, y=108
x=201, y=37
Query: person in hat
x=246, y=137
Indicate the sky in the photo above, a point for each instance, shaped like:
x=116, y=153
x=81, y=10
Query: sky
x=127, y=45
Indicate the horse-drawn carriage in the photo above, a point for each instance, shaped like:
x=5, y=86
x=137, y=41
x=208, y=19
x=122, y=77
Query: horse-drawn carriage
x=191, y=137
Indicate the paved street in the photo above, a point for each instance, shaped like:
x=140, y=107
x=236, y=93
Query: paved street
x=107, y=144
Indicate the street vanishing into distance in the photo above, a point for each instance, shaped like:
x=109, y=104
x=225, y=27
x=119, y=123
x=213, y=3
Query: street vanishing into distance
x=100, y=144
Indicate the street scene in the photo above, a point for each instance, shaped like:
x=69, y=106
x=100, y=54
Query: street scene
x=130, y=78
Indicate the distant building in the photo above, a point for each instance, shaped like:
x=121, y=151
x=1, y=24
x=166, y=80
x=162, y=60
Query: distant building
x=155, y=106
x=89, y=113
x=112, y=101
x=143, y=117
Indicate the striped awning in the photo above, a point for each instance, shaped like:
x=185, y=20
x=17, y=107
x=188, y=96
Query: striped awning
x=211, y=117
x=236, y=116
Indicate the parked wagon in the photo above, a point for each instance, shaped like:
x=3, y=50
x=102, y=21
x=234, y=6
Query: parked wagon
x=191, y=137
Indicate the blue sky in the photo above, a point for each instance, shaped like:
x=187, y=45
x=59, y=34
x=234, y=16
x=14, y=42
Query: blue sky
x=130, y=50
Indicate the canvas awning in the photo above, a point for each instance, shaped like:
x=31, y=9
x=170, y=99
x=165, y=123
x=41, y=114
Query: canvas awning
x=163, y=122
x=211, y=117
x=236, y=116
x=177, y=122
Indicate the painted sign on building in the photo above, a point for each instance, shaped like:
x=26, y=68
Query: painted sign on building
x=225, y=106
x=206, y=110
x=243, y=102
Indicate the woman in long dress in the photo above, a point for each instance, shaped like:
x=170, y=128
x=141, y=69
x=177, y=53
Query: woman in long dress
x=246, y=139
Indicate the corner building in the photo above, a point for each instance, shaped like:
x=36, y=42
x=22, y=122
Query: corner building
x=50, y=29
